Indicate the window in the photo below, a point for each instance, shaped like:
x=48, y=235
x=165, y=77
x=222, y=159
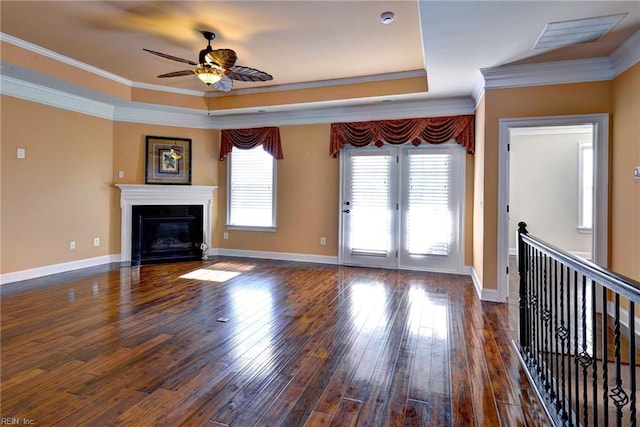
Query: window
x=585, y=186
x=251, y=189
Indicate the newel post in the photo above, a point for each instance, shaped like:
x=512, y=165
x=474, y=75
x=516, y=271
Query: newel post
x=522, y=270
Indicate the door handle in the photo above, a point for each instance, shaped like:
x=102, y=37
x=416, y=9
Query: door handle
x=346, y=211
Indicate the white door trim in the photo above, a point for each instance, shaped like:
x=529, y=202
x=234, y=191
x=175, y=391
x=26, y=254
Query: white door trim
x=601, y=198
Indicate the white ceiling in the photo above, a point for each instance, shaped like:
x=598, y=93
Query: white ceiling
x=311, y=41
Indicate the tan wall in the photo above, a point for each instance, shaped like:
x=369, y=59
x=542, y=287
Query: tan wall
x=307, y=198
x=129, y=156
x=625, y=190
x=308, y=181
x=60, y=192
x=552, y=100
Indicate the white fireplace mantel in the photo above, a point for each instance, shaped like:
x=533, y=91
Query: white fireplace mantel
x=140, y=195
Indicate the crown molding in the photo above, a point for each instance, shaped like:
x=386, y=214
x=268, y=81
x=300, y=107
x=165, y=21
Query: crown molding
x=61, y=58
x=478, y=89
x=133, y=112
x=169, y=89
x=571, y=71
x=151, y=114
x=90, y=68
x=627, y=55
x=557, y=72
x=386, y=111
x=323, y=83
x=55, y=98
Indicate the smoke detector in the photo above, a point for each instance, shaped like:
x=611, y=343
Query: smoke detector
x=387, y=18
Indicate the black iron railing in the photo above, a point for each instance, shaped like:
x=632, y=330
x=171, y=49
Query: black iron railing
x=577, y=335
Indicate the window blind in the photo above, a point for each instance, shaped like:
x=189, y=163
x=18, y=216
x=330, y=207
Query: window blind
x=251, y=188
x=428, y=212
x=369, y=209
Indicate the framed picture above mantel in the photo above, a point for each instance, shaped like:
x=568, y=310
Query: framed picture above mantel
x=168, y=160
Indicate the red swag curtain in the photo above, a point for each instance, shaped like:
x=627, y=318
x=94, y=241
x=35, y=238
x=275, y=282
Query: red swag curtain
x=432, y=130
x=249, y=138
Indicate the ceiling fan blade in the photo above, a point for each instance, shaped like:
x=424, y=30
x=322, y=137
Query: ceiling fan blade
x=247, y=74
x=177, y=73
x=225, y=58
x=173, y=58
x=224, y=84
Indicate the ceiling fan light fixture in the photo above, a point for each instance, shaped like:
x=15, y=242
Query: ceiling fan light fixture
x=208, y=75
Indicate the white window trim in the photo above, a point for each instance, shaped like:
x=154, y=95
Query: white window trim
x=582, y=145
x=272, y=228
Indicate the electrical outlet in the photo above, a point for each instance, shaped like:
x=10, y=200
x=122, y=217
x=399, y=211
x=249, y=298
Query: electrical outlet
x=96, y=241
x=323, y=241
x=120, y=174
x=21, y=153
x=225, y=236
x=72, y=244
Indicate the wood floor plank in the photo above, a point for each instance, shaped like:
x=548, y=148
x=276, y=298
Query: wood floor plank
x=484, y=403
x=318, y=419
x=282, y=405
x=461, y=392
x=302, y=344
x=347, y=413
x=376, y=405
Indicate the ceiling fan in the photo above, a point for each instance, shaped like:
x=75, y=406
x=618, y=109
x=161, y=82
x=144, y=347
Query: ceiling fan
x=216, y=68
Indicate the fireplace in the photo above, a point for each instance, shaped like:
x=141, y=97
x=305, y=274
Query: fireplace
x=179, y=216
x=166, y=233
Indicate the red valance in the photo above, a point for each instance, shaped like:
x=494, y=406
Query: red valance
x=431, y=130
x=246, y=139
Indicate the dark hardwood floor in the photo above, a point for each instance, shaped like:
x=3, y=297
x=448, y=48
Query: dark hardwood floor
x=253, y=342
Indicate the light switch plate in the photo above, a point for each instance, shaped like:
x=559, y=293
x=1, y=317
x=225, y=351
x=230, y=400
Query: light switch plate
x=21, y=153
x=636, y=172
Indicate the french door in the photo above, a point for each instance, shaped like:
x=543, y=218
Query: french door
x=401, y=207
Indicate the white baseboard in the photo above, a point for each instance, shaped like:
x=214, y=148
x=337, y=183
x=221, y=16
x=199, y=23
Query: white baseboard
x=489, y=295
x=33, y=273
x=282, y=256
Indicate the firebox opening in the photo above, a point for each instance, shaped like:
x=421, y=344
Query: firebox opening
x=166, y=234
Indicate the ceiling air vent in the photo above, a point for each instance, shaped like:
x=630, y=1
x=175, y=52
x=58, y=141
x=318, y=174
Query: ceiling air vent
x=578, y=31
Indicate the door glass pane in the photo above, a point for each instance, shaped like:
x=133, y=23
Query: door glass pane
x=370, y=217
x=428, y=217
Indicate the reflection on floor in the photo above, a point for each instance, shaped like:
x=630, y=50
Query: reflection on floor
x=256, y=342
